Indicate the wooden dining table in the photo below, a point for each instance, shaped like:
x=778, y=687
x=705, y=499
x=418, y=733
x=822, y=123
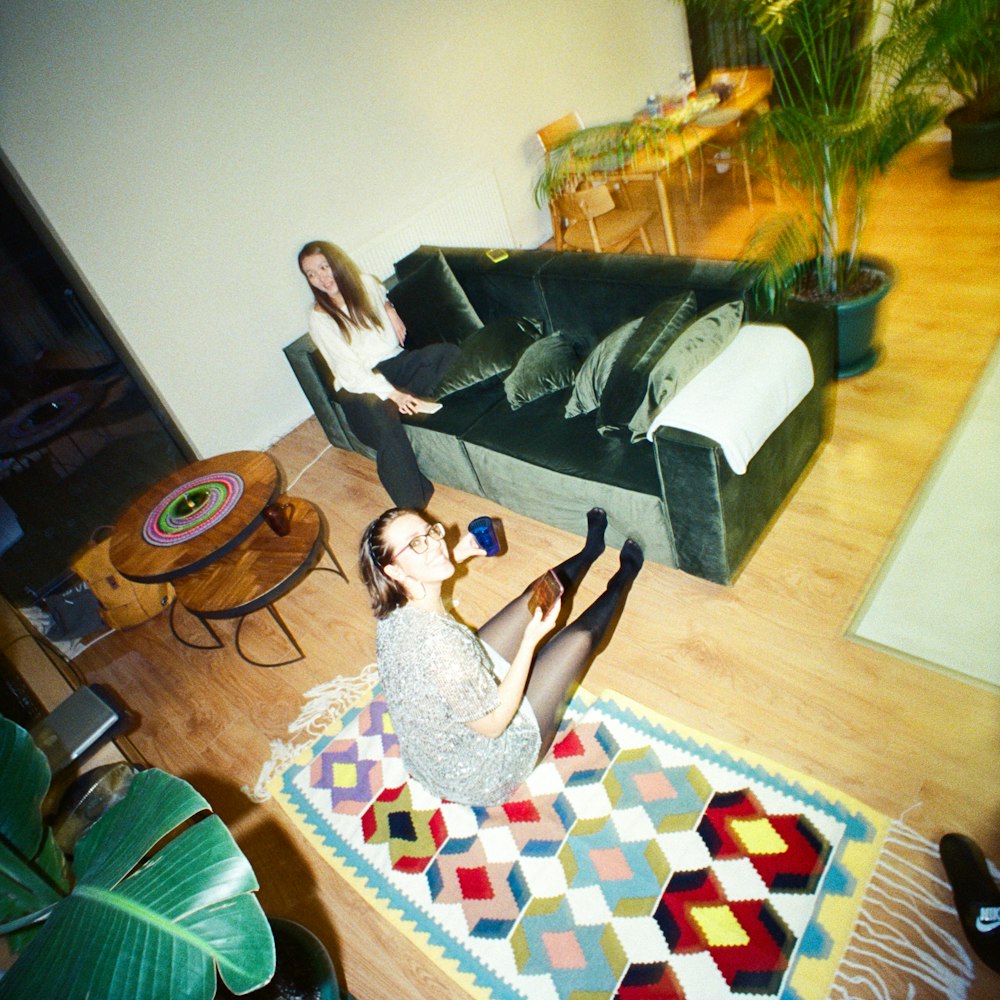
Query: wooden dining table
x=751, y=92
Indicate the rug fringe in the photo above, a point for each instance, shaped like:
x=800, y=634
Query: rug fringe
x=325, y=703
x=902, y=926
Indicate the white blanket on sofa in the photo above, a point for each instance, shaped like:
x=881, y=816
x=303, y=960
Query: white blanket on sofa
x=739, y=398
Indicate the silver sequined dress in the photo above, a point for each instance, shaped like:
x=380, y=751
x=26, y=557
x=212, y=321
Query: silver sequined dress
x=437, y=676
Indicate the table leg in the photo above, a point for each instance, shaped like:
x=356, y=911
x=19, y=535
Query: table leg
x=334, y=560
x=193, y=645
x=668, y=226
x=288, y=635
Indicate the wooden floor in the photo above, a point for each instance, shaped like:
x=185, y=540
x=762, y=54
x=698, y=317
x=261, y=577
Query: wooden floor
x=763, y=664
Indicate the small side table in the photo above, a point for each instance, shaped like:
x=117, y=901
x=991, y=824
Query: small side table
x=194, y=516
x=254, y=574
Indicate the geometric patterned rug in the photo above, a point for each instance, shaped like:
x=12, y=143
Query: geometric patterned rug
x=640, y=860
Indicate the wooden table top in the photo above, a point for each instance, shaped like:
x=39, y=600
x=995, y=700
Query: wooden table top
x=136, y=557
x=258, y=570
x=752, y=87
x=36, y=423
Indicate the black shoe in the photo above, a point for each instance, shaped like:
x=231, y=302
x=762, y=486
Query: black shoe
x=977, y=897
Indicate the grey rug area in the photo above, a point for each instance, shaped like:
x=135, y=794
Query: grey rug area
x=936, y=599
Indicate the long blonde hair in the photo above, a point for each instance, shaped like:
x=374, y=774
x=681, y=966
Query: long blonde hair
x=360, y=311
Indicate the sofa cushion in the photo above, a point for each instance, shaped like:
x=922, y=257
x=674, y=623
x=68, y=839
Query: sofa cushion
x=538, y=434
x=595, y=370
x=626, y=383
x=546, y=366
x=459, y=411
x=700, y=342
x=433, y=305
x=491, y=351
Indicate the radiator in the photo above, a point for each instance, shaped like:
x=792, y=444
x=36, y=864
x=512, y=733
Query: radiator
x=472, y=215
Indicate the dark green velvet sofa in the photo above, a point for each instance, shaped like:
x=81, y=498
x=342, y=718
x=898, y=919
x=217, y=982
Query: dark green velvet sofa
x=677, y=494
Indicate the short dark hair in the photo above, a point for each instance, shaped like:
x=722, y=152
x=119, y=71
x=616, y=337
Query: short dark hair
x=385, y=593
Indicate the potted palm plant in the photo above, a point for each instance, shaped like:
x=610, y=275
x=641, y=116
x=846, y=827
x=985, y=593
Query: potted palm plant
x=972, y=69
x=847, y=99
x=139, y=916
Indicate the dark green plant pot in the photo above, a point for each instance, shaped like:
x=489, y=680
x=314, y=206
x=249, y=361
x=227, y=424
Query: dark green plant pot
x=303, y=969
x=856, y=324
x=975, y=147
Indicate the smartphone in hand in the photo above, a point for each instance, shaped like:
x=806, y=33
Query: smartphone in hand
x=545, y=591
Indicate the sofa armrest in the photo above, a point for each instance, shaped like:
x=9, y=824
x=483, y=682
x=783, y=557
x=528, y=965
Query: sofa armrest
x=718, y=516
x=816, y=327
x=307, y=363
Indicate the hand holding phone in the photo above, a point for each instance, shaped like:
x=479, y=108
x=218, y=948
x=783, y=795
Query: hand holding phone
x=545, y=591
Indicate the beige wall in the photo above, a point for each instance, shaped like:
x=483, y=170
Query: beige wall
x=183, y=151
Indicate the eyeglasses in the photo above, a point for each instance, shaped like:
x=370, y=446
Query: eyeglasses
x=419, y=543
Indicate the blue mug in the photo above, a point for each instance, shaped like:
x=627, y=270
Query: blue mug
x=485, y=533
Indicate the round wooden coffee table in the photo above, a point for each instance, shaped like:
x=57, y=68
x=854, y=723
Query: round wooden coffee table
x=256, y=572
x=194, y=516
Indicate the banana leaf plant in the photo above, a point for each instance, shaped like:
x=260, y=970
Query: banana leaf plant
x=138, y=915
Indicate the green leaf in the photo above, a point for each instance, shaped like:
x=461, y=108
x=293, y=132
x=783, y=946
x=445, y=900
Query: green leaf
x=130, y=829
x=24, y=779
x=850, y=92
x=32, y=868
x=158, y=931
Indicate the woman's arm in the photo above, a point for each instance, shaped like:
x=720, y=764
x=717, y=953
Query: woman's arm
x=351, y=372
x=467, y=548
x=379, y=296
x=511, y=688
x=397, y=321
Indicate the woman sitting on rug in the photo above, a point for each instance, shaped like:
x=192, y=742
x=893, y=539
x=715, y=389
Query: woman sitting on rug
x=476, y=712
x=359, y=333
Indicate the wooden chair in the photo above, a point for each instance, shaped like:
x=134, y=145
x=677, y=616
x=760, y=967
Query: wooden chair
x=728, y=147
x=726, y=152
x=549, y=136
x=553, y=133
x=600, y=225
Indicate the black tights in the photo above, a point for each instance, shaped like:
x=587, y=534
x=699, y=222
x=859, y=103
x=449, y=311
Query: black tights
x=561, y=663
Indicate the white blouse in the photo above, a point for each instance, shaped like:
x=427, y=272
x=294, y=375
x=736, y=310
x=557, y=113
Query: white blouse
x=352, y=363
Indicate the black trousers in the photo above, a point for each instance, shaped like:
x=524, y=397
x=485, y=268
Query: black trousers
x=376, y=421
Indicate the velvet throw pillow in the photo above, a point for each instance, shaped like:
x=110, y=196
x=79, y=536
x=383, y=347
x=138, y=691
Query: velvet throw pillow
x=595, y=370
x=547, y=366
x=490, y=351
x=434, y=305
x=626, y=383
x=701, y=341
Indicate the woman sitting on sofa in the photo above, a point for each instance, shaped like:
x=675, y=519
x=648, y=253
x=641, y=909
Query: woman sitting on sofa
x=475, y=712
x=361, y=337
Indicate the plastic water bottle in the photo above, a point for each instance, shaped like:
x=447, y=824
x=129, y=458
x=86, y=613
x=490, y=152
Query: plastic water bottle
x=653, y=106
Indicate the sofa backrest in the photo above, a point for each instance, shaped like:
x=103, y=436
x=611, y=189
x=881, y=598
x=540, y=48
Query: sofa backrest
x=496, y=290
x=589, y=295
x=581, y=295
